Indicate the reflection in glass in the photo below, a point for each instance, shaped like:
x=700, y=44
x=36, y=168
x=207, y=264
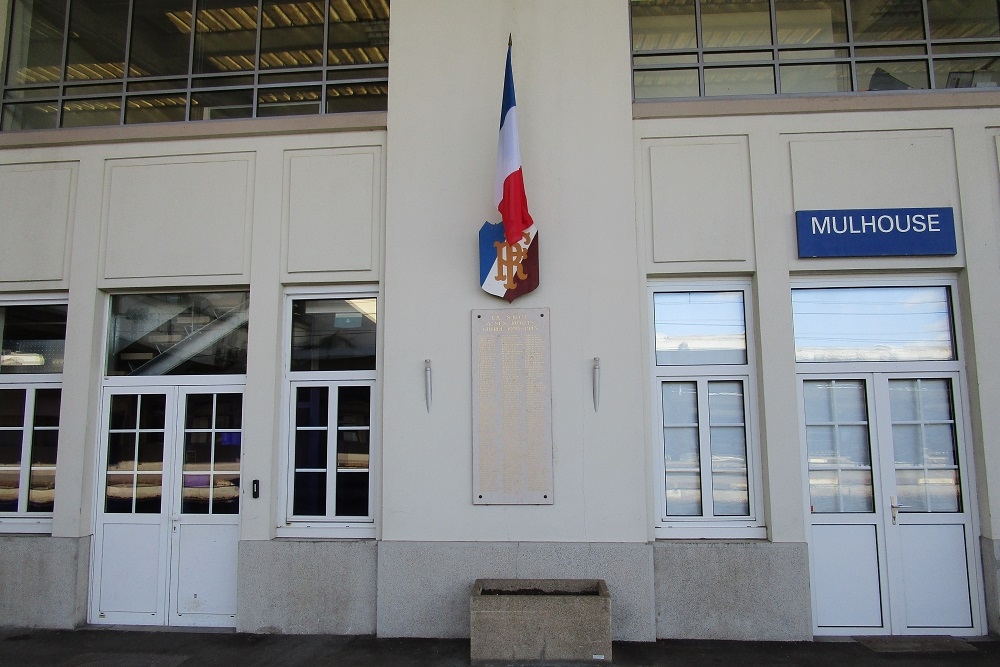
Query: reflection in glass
x=887, y=21
x=29, y=116
x=663, y=25
x=221, y=105
x=171, y=108
x=967, y=73
x=35, y=52
x=11, y=442
x=728, y=24
x=32, y=338
x=226, y=494
x=195, y=494
x=309, y=497
x=161, y=38
x=829, y=78
x=118, y=494
x=925, y=445
x=178, y=334
x=352, y=494
x=91, y=112
x=43, y=447
x=291, y=34
x=727, y=81
x=212, y=453
x=41, y=489
x=699, y=328
x=333, y=334
x=727, y=429
x=312, y=406
x=873, y=324
x=10, y=481
x=97, y=30
x=666, y=83
x=225, y=36
x=899, y=75
x=962, y=20
x=310, y=449
x=12, y=403
x=148, y=493
x=681, y=448
x=811, y=21
x=838, y=446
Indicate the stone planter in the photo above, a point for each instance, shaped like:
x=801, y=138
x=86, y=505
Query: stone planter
x=550, y=620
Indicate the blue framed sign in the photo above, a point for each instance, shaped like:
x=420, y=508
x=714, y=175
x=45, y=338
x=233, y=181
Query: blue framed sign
x=876, y=232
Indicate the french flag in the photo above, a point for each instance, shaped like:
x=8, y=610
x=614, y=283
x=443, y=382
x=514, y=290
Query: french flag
x=512, y=271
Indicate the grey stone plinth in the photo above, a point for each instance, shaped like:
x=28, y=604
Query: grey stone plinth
x=550, y=620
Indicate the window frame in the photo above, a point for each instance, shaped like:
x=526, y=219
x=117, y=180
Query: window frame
x=24, y=521
x=330, y=526
x=751, y=526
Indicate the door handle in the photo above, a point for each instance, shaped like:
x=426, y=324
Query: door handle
x=895, y=508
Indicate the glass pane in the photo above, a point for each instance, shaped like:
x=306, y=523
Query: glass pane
x=178, y=334
x=730, y=493
x=226, y=494
x=199, y=411
x=30, y=116
x=121, y=451
x=928, y=490
x=289, y=101
x=353, y=406
x=229, y=411
x=11, y=443
x=352, y=494
x=312, y=407
x=156, y=109
x=725, y=23
x=822, y=441
x=152, y=411
x=683, y=493
x=333, y=334
x=97, y=30
x=119, y=494
x=124, y=408
x=41, y=490
x=46, y=407
x=728, y=81
x=680, y=446
x=939, y=445
x=222, y=105
x=12, y=407
x=227, y=451
x=877, y=21
x=872, y=324
x=344, y=98
x=33, y=338
x=43, y=447
x=359, y=33
x=148, y=492
x=855, y=489
x=225, y=36
x=900, y=75
x=832, y=78
x=10, y=481
x=195, y=494
x=352, y=449
x=150, y=455
x=309, y=496
x=725, y=402
x=680, y=403
x=852, y=442
x=967, y=73
x=36, y=32
x=197, y=451
x=961, y=20
x=161, y=38
x=694, y=328
x=91, y=113
x=666, y=83
x=849, y=402
x=811, y=21
x=904, y=400
x=291, y=34
x=659, y=25
x=729, y=448
x=310, y=449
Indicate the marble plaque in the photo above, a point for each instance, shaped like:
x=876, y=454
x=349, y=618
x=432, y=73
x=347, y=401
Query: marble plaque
x=511, y=407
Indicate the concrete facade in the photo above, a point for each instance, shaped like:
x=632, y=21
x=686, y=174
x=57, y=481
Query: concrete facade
x=699, y=192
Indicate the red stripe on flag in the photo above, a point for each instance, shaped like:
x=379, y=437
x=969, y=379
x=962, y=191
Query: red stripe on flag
x=514, y=207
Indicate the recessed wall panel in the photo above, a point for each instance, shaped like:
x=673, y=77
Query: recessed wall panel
x=698, y=203
x=332, y=209
x=874, y=170
x=36, y=217
x=178, y=216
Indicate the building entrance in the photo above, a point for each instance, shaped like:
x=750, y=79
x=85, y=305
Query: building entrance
x=891, y=530
x=167, y=531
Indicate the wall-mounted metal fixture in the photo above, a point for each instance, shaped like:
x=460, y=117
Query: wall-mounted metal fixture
x=428, y=388
x=597, y=383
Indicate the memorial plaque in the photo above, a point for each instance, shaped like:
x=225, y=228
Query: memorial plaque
x=511, y=407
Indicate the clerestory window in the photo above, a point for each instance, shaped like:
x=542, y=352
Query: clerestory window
x=719, y=48
x=73, y=63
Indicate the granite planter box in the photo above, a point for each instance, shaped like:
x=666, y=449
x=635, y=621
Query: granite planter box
x=543, y=620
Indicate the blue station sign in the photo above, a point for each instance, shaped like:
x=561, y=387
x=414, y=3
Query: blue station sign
x=876, y=232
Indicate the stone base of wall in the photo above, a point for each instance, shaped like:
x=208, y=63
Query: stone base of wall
x=43, y=581
x=307, y=587
x=424, y=587
x=732, y=590
x=991, y=582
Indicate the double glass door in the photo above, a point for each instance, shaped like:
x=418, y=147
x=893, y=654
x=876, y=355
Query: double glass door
x=167, y=528
x=891, y=535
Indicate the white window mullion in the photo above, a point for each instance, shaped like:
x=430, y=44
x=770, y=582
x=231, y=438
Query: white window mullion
x=705, y=449
x=332, y=435
x=27, y=424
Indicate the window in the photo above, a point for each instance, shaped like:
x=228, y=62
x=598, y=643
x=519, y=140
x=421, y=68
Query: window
x=31, y=361
x=331, y=397
x=703, y=388
x=709, y=48
x=73, y=63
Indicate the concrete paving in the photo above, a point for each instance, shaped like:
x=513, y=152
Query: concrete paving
x=115, y=647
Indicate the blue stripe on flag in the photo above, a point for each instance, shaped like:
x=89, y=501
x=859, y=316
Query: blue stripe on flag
x=489, y=234
x=508, y=90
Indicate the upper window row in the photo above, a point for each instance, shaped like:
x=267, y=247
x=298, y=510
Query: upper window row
x=73, y=63
x=708, y=48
